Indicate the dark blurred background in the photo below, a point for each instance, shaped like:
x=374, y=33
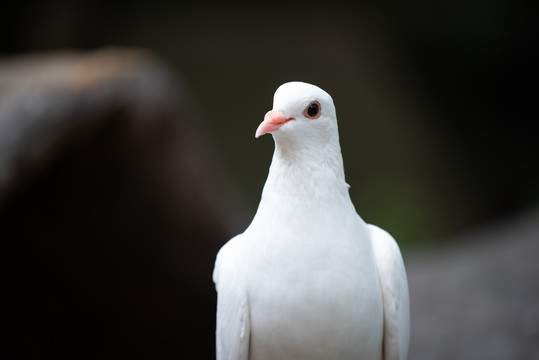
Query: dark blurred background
x=436, y=104
x=436, y=101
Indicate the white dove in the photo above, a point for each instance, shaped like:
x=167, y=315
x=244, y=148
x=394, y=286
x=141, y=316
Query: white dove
x=309, y=279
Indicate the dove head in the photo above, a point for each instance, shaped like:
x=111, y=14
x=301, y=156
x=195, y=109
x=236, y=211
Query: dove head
x=303, y=124
x=302, y=113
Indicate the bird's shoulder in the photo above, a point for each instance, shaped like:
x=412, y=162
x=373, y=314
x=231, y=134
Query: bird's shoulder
x=388, y=257
x=383, y=244
x=227, y=257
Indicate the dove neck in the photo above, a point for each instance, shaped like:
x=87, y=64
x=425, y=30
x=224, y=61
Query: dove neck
x=307, y=171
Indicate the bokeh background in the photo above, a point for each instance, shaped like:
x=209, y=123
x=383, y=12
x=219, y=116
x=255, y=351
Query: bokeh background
x=436, y=102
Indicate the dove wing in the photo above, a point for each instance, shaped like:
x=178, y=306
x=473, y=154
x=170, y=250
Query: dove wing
x=233, y=323
x=395, y=294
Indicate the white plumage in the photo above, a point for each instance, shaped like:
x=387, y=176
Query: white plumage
x=309, y=279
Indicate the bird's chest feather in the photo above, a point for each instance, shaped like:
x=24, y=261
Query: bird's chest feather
x=324, y=282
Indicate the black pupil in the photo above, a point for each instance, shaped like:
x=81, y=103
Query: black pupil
x=313, y=109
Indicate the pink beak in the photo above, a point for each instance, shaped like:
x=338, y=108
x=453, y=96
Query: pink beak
x=273, y=120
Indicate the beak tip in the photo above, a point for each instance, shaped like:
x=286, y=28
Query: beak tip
x=273, y=120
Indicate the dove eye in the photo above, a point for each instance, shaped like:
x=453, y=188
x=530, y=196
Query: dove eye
x=313, y=110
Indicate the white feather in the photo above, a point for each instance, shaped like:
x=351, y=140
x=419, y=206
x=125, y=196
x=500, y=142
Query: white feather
x=395, y=294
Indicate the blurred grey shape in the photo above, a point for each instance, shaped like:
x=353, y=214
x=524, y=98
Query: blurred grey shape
x=110, y=210
x=477, y=297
